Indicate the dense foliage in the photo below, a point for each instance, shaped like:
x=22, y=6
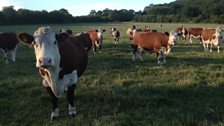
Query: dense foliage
x=178, y=11
x=185, y=11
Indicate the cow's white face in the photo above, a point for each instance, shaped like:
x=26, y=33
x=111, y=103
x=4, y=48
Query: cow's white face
x=100, y=33
x=46, y=49
x=217, y=37
x=172, y=38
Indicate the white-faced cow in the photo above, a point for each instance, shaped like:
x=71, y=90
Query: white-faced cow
x=115, y=34
x=97, y=38
x=211, y=37
x=154, y=42
x=61, y=60
x=194, y=32
x=182, y=32
x=8, y=42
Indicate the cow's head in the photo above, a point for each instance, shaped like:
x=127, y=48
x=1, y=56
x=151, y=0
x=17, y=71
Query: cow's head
x=100, y=33
x=217, y=37
x=45, y=46
x=172, y=38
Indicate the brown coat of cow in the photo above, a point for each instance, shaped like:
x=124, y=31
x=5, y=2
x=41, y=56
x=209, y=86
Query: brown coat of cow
x=97, y=40
x=194, y=32
x=211, y=37
x=154, y=42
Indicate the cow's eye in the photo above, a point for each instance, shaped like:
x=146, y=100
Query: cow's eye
x=55, y=42
x=36, y=45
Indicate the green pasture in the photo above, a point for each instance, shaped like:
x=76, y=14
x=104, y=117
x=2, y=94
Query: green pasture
x=114, y=91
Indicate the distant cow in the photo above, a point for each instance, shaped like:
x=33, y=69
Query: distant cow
x=182, y=32
x=115, y=34
x=8, y=42
x=97, y=38
x=61, y=60
x=154, y=42
x=211, y=37
x=194, y=32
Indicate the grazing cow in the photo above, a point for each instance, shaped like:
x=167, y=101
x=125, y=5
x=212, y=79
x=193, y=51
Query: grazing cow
x=61, y=60
x=154, y=42
x=182, y=32
x=115, y=34
x=194, y=32
x=8, y=42
x=97, y=38
x=211, y=37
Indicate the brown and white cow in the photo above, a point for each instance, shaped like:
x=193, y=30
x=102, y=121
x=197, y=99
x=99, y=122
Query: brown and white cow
x=115, y=34
x=182, y=32
x=97, y=38
x=211, y=37
x=154, y=42
x=61, y=60
x=194, y=32
x=8, y=42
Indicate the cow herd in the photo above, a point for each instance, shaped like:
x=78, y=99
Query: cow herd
x=62, y=57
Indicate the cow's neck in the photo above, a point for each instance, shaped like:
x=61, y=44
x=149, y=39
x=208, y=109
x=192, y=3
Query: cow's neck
x=53, y=80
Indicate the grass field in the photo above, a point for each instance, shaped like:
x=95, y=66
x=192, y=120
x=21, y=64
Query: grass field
x=114, y=91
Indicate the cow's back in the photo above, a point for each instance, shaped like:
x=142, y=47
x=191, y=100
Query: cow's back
x=195, y=31
x=8, y=40
x=150, y=40
x=73, y=56
x=93, y=35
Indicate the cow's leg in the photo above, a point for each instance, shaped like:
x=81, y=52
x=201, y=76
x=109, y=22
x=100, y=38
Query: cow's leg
x=4, y=52
x=141, y=53
x=70, y=97
x=158, y=57
x=134, y=50
x=211, y=47
x=218, y=49
x=55, y=112
x=13, y=54
x=94, y=48
x=190, y=37
x=204, y=45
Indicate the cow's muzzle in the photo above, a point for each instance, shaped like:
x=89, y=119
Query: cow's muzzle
x=45, y=62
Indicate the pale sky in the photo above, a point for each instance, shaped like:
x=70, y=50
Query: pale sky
x=80, y=7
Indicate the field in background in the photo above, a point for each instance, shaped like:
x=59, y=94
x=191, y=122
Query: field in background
x=187, y=90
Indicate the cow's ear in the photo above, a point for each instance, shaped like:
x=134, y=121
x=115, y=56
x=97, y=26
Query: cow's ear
x=104, y=30
x=96, y=30
x=61, y=37
x=25, y=38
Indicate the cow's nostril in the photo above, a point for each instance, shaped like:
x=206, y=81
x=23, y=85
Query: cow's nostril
x=49, y=61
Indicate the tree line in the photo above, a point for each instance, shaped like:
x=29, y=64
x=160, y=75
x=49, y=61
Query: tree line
x=195, y=11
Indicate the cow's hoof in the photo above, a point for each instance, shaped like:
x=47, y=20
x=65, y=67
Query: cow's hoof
x=72, y=115
x=53, y=118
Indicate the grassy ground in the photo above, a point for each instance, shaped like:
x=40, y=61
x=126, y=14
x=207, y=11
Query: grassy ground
x=188, y=90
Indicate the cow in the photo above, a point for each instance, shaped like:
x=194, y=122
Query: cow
x=194, y=32
x=115, y=34
x=154, y=42
x=182, y=32
x=96, y=38
x=211, y=37
x=83, y=37
x=8, y=42
x=61, y=60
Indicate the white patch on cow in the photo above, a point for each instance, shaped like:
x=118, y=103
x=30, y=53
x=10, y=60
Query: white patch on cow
x=172, y=38
x=55, y=114
x=71, y=110
x=59, y=84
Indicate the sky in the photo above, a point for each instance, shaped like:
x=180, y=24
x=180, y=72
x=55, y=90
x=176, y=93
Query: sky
x=80, y=7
